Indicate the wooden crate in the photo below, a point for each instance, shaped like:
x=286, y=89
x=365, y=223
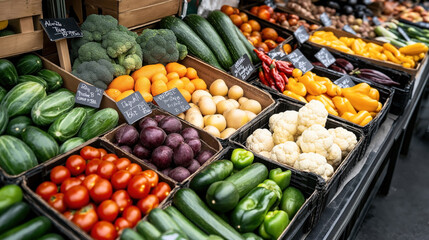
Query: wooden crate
x=23, y=16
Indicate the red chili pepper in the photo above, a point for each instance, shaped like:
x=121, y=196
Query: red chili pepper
x=262, y=77
x=262, y=56
x=284, y=78
x=278, y=79
x=284, y=67
x=268, y=77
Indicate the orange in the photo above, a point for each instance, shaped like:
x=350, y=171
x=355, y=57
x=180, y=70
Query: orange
x=148, y=71
x=124, y=95
x=173, y=75
x=190, y=87
x=142, y=84
x=159, y=76
x=176, y=83
x=185, y=94
x=158, y=87
x=255, y=25
x=236, y=19
x=264, y=14
x=228, y=10
x=176, y=67
x=147, y=96
x=199, y=84
x=244, y=17
x=245, y=27
x=122, y=83
x=191, y=73
x=113, y=93
x=185, y=80
x=269, y=33
x=270, y=44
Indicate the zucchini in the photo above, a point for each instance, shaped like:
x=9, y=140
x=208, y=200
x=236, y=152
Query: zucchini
x=45, y=111
x=13, y=216
x=99, y=123
x=17, y=125
x=21, y=98
x=188, y=203
x=207, y=33
x=43, y=145
x=248, y=178
x=68, y=124
x=222, y=196
x=28, y=64
x=8, y=74
x=15, y=156
x=129, y=234
x=31, y=78
x=147, y=230
x=248, y=45
x=54, y=80
x=187, y=226
x=70, y=144
x=162, y=221
x=214, y=172
x=34, y=228
x=51, y=236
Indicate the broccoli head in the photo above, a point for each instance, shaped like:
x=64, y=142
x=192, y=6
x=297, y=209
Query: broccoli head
x=183, y=51
x=99, y=25
x=99, y=73
x=118, y=43
x=118, y=70
x=76, y=43
x=124, y=29
x=92, y=51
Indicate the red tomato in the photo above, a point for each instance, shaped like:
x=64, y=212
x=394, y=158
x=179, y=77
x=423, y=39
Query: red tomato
x=122, y=223
x=122, y=199
x=90, y=181
x=147, y=204
x=103, y=230
x=69, y=214
x=92, y=166
x=161, y=191
x=81, y=177
x=106, y=169
x=102, y=152
x=110, y=157
x=46, y=190
x=59, y=174
x=121, y=179
x=76, y=197
x=89, y=153
x=133, y=168
x=132, y=214
x=108, y=210
x=101, y=191
x=85, y=218
x=138, y=187
x=57, y=202
x=68, y=183
x=122, y=163
x=151, y=176
x=76, y=164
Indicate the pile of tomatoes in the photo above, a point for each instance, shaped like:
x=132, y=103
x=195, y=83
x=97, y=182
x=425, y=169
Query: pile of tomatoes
x=101, y=193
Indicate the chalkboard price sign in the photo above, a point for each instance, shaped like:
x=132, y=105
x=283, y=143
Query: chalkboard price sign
x=134, y=107
x=344, y=82
x=60, y=28
x=300, y=61
x=88, y=95
x=325, y=57
x=326, y=21
x=348, y=29
x=172, y=101
x=277, y=53
x=301, y=34
x=243, y=68
x=403, y=34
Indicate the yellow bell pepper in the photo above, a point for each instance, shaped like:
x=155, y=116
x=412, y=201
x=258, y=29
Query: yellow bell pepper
x=313, y=87
x=343, y=105
x=317, y=40
x=374, y=46
x=374, y=94
x=361, y=118
x=331, y=89
x=357, y=47
x=294, y=96
x=361, y=87
x=422, y=55
x=405, y=59
x=373, y=114
x=360, y=98
x=296, y=87
x=342, y=48
x=414, y=49
x=379, y=107
x=390, y=57
x=329, y=105
x=389, y=47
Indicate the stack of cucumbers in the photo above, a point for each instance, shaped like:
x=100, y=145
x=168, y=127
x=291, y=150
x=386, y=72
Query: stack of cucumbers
x=38, y=118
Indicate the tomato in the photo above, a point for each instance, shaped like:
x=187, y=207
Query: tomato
x=122, y=163
x=46, y=190
x=81, y=177
x=76, y=164
x=138, y=187
x=90, y=181
x=103, y=230
x=57, y=202
x=122, y=199
x=106, y=169
x=76, y=197
x=101, y=191
x=121, y=179
x=108, y=210
x=147, y=204
x=68, y=183
x=122, y=223
x=102, y=152
x=89, y=153
x=133, y=168
x=151, y=176
x=132, y=214
x=110, y=157
x=59, y=174
x=69, y=214
x=92, y=166
x=161, y=191
x=85, y=218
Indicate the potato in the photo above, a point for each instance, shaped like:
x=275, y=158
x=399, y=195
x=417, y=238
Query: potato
x=212, y=130
x=198, y=94
x=205, y=119
x=224, y=106
x=234, y=102
x=206, y=105
x=217, y=121
x=195, y=118
x=218, y=88
x=242, y=100
x=181, y=115
x=193, y=106
x=227, y=132
x=217, y=99
x=193, y=110
x=250, y=115
x=236, y=118
x=235, y=92
x=252, y=105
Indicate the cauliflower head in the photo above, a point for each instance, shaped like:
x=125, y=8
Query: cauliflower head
x=334, y=157
x=312, y=113
x=284, y=129
x=315, y=163
x=345, y=139
x=260, y=140
x=316, y=139
x=265, y=154
x=286, y=153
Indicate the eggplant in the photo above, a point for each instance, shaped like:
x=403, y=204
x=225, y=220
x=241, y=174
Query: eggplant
x=375, y=76
x=337, y=69
x=344, y=64
x=319, y=64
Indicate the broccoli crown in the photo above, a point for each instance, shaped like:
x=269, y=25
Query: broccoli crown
x=118, y=70
x=183, y=51
x=132, y=62
x=118, y=43
x=158, y=46
x=99, y=73
x=124, y=29
x=92, y=51
x=99, y=25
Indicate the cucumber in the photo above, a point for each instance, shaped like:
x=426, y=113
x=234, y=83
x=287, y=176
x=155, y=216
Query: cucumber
x=31, y=78
x=222, y=196
x=207, y=33
x=43, y=145
x=21, y=98
x=188, y=203
x=99, y=123
x=51, y=236
x=17, y=125
x=28, y=64
x=162, y=221
x=129, y=234
x=8, y=74
x=147, y=230
x=89, y=112
x=248, y=178
x=13, y=216
x=54, y=80
x=3, y=93
x=214, y=172
x=4, y=119
x=68, y=124
x=45, y=111
x=187, y=226
x=34, y=228
x=248, y=45
x=70, y=144
x=185, y=35
x=15, y=156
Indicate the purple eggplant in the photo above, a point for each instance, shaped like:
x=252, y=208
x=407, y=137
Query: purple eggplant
x=337, y=69
x=344, y=64
x=319, y=64
x=375, y=76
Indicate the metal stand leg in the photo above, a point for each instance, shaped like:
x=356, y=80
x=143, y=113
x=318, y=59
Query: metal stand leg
x=393, y=158
x=409, y=130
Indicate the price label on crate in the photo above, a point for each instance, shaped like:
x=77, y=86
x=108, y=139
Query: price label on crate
x=172, y=101
x=325, y=57
x=243, y=68
x=60, y=28
x=301, y=34
x=300, y=61
x=348, y=29
x=403, y=34
x=134, y=107
x=376, y=21
x=277, y=53
x=326, y=21
x=344, y=82
x=88, y=95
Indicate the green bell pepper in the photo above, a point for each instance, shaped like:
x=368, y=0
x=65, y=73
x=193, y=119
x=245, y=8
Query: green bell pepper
x=251, y=236
x=172, y=234
x=272, y=186
x=241, y=158
x=282, y=178
x=274, y=224
x=251, y=210
x=9, y=195
x=292, y=201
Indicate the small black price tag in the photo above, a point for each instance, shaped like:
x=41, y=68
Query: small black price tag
x=376, y=21
x=277, y=53
x=134, y=107
x=326, y=21
x=60, y=28
x=243, y=68
x=301, y=34
x=348, y=29
x=172, y=101
x=300, y=61
x=423, y=24
x=88, y=95
x=344, y=82
x=403, y=34
x=325, y=57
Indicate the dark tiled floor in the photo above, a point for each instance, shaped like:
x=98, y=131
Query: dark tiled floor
x=404, y=213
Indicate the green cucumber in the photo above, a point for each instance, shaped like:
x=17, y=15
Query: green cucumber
x=34, y=228
x=46, y=110
x=43, y=145
x=222, y=196
x=4, y=119
x=89, y=112
x=99, y=123
x=8, y=74
x=53, y=79
x=148, y=230
x=51, y=236
x=162, y=221
x=129, y=234
x=214, y=172
x=248, y=45
x=21, y=98
x=192, y=231
x=28, y=64
x=207, y=33
x=70, y=144
x=13, y=216
x=3, y=93
x=248, y=178
x=15, y=156
x=188, y=203
x=31, y=78
x=68, y=124
x=17, y=125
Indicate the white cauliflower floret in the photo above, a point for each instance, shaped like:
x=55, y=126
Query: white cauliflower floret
x=345, y=139
x=284, y=129
x=315, y=163
x=273, y=119
x=265, y=154
x=260, y=140
x=312, y=113
x=286, y=153
x=334, y=157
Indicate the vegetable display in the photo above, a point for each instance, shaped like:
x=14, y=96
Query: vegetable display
x=388, y=32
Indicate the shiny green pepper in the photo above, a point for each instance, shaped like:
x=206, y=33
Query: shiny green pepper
x=272, y=186
x=282, y=178
x=292, y=201
x=9, y=195
x=251, y=236
x=241, y=158
x=275, y=223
